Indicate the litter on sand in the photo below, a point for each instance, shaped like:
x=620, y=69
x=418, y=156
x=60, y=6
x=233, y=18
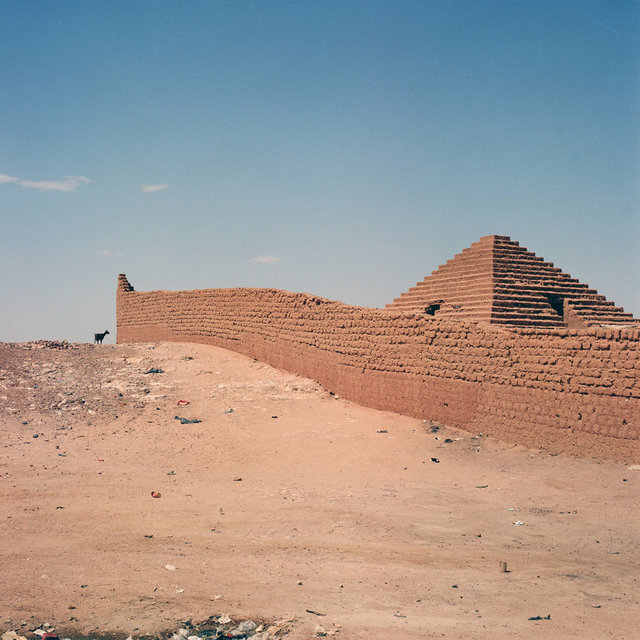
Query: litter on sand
x=156, y=494
x=187, y=420
x=181, y=402
x=154, y=370
x=541, y=617
x=228, y=410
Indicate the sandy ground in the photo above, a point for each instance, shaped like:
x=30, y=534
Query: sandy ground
x=296, y=503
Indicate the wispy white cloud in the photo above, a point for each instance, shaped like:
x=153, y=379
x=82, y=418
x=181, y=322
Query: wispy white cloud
x=152, y=188
x=70, y=183
x=265, y=259
x=105, y=253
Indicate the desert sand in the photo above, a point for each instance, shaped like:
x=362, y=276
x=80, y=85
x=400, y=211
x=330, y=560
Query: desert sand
x=289, y=505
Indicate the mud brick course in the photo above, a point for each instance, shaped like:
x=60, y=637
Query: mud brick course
x=575, y=390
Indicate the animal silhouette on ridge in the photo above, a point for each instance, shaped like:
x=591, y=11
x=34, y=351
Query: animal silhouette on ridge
x=99, y=337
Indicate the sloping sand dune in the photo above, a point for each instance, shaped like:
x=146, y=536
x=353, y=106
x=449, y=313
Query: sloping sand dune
x=286, y=502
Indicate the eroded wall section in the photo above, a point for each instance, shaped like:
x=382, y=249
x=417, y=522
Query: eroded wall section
x=561, y=390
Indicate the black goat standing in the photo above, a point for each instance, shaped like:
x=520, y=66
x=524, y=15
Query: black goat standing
x=99, y=337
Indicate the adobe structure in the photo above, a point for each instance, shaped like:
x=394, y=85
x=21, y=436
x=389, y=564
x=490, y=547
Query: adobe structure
x=496, y=280
x=496, y=341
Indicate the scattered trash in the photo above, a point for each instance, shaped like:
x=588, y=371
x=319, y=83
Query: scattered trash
x=435, y=428
x=435, y=460
x=382, y=431
x=156, y=494
x=315, y=613
x=518, y=523
x=155, y=370
x=447, y=440
x=62, y=455
x=274, y=417
x=320, y=631
x=454, y=586
x=246, y=627
x=171, y=473
x=503, y=567
x=181, y=402
x=541, y=617
x=170, y=567
x=237, y=479
x=228, y=411
x=634, y=467
x=481, y=486
x=187, y=420
x=224, y=619
x=148, y=535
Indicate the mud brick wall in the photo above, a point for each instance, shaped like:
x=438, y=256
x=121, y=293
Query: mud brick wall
x=566, y=390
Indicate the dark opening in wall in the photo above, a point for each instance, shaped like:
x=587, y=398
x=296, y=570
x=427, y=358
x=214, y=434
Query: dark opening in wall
x=557, y=303
x=431, y=309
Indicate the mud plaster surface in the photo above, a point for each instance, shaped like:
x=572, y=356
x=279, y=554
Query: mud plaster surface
x=342, y=499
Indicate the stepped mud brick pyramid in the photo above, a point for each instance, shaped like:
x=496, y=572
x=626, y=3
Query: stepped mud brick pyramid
x=496, y=280
x=496, y=341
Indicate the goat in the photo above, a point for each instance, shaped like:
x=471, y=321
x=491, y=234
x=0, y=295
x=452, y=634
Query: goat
x=99, y=337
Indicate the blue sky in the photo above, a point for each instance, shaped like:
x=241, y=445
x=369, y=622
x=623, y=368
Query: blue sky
x=345, y=149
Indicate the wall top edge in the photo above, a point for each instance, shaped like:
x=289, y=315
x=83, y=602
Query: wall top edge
x=300, y=299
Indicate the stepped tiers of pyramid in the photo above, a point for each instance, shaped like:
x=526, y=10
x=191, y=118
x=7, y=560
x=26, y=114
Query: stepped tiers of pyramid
x=495, y=280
